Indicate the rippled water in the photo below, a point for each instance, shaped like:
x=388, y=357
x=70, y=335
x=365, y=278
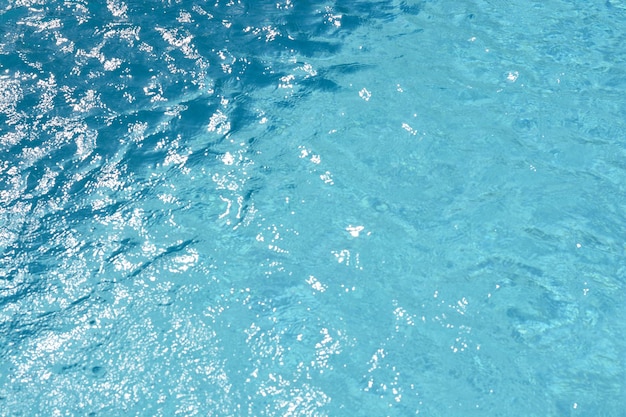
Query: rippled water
x=364, y=208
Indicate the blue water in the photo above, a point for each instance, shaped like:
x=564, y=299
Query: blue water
x=312, y=208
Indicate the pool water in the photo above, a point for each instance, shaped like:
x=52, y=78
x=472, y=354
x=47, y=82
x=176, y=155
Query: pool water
x=321, y=208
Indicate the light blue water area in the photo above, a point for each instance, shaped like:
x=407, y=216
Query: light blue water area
x=312, y=208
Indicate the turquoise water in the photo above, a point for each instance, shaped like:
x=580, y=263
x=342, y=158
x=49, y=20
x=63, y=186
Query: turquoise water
x=348, y=208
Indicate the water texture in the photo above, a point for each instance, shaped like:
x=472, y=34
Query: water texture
x=312, y=208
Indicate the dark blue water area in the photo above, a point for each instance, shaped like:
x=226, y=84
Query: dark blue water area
x=364, y=208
